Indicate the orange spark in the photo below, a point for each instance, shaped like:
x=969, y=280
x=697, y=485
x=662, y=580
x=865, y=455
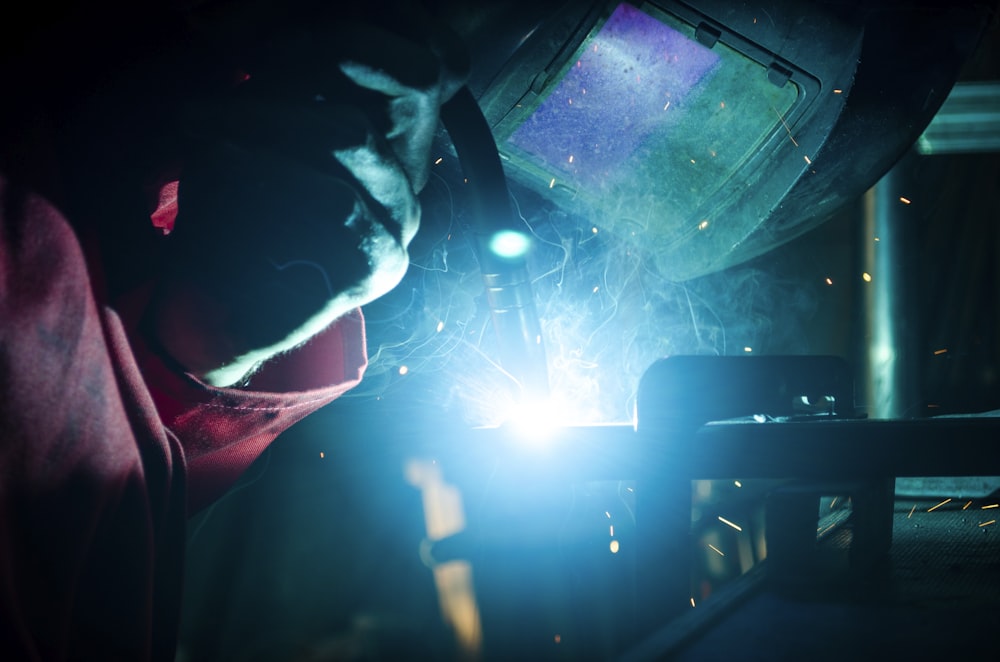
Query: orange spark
x=728, y=523
x=933, y=508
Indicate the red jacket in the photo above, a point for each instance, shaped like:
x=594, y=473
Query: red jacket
x=105, y=448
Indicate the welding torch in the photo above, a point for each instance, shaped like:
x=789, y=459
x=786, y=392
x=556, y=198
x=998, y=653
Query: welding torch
x=506, y=278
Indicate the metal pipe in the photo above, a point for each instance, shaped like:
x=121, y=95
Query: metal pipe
x=890, y=360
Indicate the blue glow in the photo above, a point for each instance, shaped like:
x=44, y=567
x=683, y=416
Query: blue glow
x=510, y=244
x=539, y=423
x=614, y=98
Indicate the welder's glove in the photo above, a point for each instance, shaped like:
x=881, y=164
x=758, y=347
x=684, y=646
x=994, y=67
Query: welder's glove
x=299, y=198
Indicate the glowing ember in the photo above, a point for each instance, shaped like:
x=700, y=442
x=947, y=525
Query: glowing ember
x=933, y=508
x=728, y=523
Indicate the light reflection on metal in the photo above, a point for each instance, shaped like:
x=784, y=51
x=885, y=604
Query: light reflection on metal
x=444, y=516
x=510, y=244
x=890, y=346
x=968, y=121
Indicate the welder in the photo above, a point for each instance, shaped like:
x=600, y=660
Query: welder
x=194, y=204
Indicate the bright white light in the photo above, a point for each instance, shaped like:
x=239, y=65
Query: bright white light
x=510, y=244
x=537, y=421
x=883, y=353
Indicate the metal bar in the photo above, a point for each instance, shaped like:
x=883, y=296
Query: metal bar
x=832, y=449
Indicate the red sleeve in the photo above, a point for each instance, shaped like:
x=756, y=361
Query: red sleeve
x=91, y=486
x=223, y=430
x=99, y=441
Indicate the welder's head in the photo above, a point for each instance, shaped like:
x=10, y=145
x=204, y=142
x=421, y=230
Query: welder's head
x=708, y=132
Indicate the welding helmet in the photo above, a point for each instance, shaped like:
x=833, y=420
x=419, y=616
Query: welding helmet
x=708, y=132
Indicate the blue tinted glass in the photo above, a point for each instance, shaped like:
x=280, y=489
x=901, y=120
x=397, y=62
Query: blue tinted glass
x=615, y=95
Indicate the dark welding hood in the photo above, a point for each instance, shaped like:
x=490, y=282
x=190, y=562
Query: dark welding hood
x=707, y=133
